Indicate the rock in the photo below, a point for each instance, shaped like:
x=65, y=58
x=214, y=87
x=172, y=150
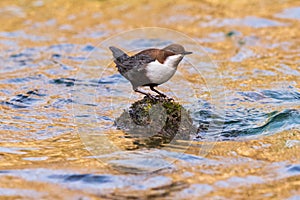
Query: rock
x=156, y=121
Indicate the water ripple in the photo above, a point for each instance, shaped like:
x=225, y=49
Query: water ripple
x=88, y=178
x=244, y=123
x=28, y=99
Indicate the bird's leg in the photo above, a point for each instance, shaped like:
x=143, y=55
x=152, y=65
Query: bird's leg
x=158, y=92
x=144, y=93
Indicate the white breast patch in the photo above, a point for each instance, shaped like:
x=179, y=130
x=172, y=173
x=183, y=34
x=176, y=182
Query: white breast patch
x=159, y=73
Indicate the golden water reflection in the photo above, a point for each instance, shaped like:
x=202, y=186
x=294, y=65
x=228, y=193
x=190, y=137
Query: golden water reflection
x=255, y=45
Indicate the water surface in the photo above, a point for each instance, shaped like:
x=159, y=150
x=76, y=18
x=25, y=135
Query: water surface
x=254, y=143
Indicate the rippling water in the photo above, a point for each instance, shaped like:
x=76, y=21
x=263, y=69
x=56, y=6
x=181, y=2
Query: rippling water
x=59, y=101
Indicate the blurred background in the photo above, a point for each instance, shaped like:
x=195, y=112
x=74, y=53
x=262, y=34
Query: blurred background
x=255, y=46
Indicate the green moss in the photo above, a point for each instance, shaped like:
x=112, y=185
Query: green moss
x=156, y=121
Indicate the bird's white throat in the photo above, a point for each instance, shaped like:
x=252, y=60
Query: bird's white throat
x=160, y=73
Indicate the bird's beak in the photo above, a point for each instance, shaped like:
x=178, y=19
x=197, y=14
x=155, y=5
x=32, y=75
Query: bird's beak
x=187, y=52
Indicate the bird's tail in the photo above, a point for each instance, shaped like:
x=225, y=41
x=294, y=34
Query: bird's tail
x=118, y=54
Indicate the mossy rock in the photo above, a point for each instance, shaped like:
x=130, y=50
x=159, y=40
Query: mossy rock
x=156, y=121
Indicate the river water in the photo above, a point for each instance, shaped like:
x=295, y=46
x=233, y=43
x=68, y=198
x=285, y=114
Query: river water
x=60, y=95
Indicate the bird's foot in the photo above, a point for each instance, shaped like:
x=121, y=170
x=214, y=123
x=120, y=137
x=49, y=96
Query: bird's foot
x=150, y=96
x=169, y=98
x=155, y=98
x=160, y=95
x=164, y=97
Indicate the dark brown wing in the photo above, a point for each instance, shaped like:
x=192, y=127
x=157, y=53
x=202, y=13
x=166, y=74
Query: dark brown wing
x=141, y=59
x=135, y=61
x=156, y=54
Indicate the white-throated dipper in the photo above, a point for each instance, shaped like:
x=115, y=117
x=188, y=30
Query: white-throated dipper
x=150, y=67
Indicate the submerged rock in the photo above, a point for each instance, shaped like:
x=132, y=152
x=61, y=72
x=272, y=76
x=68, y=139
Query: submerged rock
x=152, y=122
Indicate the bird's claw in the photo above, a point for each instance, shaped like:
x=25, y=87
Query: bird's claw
x=151, y=96
x=160, y=96
x=163, y=96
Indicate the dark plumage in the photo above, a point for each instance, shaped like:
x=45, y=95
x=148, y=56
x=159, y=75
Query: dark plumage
x=150, y=67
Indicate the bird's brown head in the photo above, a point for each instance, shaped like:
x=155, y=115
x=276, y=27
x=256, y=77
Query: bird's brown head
x=177, y=49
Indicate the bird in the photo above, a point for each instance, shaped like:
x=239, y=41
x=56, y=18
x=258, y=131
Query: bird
x=150, y=67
